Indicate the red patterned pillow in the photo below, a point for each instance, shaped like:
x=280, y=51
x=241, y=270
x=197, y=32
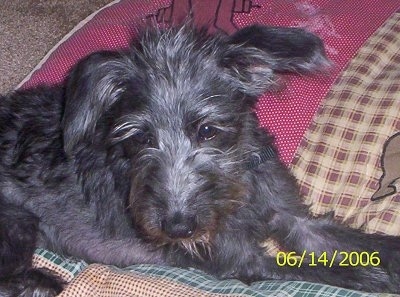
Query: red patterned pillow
x=344, y=28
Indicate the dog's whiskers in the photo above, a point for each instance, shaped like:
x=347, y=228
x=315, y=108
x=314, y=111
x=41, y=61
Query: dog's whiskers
x=196, y=246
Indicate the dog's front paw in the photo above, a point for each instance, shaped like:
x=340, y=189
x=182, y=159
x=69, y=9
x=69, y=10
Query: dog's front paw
x=229, y=274
x=246, y=277
x=41, y=283
x=31, y=283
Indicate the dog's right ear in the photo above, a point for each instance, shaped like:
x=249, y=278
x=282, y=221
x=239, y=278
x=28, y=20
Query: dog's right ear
x=256, y=52
x=93, y=85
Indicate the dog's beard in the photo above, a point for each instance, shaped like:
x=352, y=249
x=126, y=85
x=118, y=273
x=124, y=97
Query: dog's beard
x=198, y=245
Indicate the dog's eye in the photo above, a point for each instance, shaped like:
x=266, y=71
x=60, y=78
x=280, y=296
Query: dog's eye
x=142, y=138
x=206, y=132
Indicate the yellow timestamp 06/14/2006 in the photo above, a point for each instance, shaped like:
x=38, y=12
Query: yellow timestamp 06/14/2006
x=336, y=258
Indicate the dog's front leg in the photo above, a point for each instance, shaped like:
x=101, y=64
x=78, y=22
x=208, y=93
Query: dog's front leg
x=337, y=254
x=368, y=278
x=326, y=236
x=18, y=233
x=242, y=258
x=281, y=215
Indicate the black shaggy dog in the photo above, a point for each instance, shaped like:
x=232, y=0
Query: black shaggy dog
x=154, y=155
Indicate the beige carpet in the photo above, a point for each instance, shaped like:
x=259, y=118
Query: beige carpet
x=30, y=28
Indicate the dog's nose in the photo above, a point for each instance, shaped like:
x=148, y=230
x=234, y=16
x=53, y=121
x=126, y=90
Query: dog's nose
x=179, y=226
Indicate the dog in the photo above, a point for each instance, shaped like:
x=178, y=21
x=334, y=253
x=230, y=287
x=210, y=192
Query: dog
x=155, y=155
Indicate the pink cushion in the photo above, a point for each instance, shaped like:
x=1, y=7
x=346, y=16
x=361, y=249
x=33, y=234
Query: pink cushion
x=344, y=28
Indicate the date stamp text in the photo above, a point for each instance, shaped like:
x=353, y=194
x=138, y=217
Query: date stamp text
x=337, y=258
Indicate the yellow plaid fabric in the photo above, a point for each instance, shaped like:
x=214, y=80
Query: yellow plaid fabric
x=338, y=161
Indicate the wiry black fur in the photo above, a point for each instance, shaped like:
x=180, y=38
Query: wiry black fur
x=18, y=232
x=140, y=158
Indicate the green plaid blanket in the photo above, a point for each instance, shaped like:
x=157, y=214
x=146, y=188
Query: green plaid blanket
x=153, y=280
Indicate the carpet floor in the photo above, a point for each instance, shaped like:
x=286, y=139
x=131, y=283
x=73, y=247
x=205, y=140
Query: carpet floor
x=30, y=28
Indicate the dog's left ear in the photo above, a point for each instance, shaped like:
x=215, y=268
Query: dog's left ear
x=255, y=53
x=93, y=85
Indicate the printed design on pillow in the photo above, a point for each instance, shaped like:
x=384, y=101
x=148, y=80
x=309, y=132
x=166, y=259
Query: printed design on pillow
x=390, y=162
x=216, y=14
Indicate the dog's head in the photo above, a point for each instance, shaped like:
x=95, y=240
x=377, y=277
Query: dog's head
x=177, y=108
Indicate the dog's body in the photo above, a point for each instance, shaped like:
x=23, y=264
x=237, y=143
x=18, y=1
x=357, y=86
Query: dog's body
x=154, y=155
